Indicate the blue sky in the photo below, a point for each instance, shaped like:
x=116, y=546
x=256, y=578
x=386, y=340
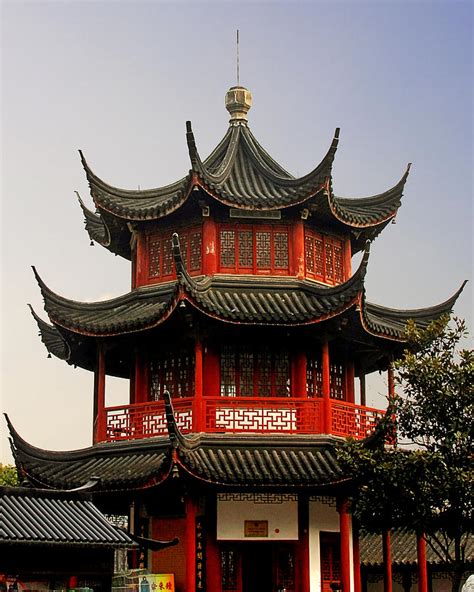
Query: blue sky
x=119, y=80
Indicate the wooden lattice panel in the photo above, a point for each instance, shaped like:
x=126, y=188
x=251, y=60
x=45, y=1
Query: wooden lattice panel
x=324, y=257
x=144, y=421
x=314, y=376
x=160, y=253
x=348, y=419
x=254, y=249
x=274, y=415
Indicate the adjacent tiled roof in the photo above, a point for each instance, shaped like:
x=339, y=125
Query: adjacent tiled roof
x=40, y=517
x=403, y=549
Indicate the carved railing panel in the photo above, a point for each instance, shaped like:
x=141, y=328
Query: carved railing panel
x=240, y=414
x=349, y=419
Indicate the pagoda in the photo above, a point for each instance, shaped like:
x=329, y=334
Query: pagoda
x=246, y=339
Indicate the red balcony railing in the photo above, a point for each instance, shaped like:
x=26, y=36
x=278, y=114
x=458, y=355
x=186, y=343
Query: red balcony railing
x=239, y=414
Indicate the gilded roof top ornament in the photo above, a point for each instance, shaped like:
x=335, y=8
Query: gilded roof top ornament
x=238, y=101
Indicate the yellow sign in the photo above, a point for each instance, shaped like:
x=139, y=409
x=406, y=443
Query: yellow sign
x=256, y=528
x=156, y=583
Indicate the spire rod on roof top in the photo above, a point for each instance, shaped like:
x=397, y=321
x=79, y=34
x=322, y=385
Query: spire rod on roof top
x=238, y=61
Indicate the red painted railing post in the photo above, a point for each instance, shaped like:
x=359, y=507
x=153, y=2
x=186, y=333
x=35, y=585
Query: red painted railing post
x=326, y=388
x=345, y=530
x=198, y=407
x=99, y=396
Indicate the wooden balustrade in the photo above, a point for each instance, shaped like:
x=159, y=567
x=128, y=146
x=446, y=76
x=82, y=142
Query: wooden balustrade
x=277, y=415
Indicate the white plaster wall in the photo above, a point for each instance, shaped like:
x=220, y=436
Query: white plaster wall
x=323, y=517
x=282, y=519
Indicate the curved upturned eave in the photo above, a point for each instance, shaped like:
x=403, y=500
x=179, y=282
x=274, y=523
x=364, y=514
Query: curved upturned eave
x=117, y=466
x=104, y=234
x=70, y=314
x=390, y=323
x=137, y=204
x=95, y=225
x=248, y=178
x=52, y=338
x=369, y=212
x=264, y=301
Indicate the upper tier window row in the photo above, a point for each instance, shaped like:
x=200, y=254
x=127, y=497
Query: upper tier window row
x=248, y=249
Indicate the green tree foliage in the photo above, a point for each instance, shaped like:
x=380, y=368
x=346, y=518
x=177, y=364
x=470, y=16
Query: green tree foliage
x=429, y=487
x=8, y=475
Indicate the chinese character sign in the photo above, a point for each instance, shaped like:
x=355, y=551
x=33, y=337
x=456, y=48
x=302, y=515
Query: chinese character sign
x=200, y=554
x=157, y=583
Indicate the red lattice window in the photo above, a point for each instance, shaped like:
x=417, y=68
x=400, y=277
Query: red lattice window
x=160, y=253
x=330, y=560
x=254, y=249
x=173, y=371
x=280, y=240
x=154, y=257
x=314, y=376
x=245, y=249
x=285, y=568
x=336, y=372
x=227, y=248
x=248, y=372
x=324, y=258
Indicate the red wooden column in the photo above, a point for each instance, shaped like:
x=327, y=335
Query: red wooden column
x=356, y=558
x=209, y=246
x=141, y=377
x=387, y=561
x=391, y=381
x=326, y=387
x=347, y=259
x=141, y=275
x=422, y=564
x=299, y=374
x=350, y=377
x=198, y=406
x=392, y=436
x=345, y=530
x=190, y=544
x=99, y=396
x=303, y=547
x=363, y=398
x=297, y=267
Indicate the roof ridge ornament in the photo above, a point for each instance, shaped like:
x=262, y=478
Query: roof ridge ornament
x=238, y=101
